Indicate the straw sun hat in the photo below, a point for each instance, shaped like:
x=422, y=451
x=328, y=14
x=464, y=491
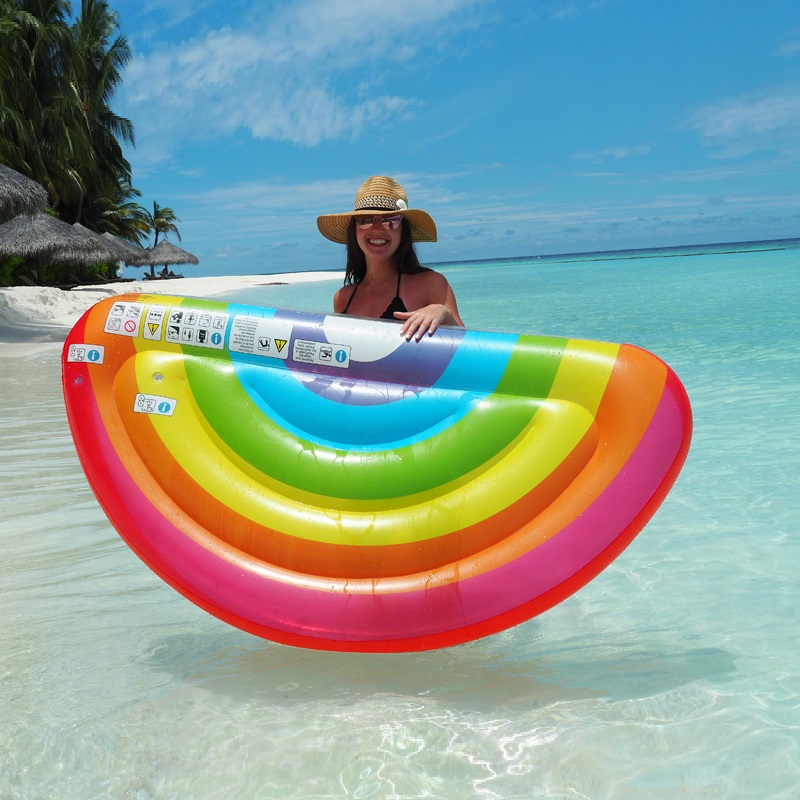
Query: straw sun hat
x=378, y=194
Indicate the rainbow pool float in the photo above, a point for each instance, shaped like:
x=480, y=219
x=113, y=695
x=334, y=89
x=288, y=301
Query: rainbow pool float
x=321, y=482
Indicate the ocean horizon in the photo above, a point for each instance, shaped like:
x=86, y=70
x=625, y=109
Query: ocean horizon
x=718, y=248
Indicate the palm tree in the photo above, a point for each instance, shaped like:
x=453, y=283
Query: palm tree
x=162, y=221
x=36, y=125
x=57, y=126
x=56, y=86
x=121, y=215
x=97, y=61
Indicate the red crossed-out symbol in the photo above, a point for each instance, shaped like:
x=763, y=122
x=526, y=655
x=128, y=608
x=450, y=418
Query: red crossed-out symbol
x=130, y=325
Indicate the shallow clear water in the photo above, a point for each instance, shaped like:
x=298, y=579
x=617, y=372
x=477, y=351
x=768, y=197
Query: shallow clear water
x=675, y=673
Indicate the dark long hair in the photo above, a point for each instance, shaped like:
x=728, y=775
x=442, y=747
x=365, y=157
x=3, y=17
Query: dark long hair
x=405, y=257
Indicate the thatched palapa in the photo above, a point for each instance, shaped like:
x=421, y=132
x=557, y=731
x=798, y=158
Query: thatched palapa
x=39, y=236
x=128, y=252
x=19, y=194
x=167, y=254
x=111, y=250
x=42, y=239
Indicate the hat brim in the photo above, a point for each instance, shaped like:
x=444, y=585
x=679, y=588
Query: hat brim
x=334, y=226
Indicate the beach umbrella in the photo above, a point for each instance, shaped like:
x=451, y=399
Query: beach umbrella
x=18, y=194
x=42, y=239
x=167, y=254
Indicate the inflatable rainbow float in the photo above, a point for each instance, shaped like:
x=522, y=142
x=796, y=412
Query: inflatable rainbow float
x=321, y=482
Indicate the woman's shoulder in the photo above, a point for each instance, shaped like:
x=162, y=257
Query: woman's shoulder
x=426, y=275
x=426, y=287
x=343, y=294
x=432, y=283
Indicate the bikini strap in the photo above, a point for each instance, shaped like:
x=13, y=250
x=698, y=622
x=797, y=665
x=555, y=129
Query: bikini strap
x=350, y=300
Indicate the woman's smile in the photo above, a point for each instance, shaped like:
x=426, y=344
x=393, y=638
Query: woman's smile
x=377, y=241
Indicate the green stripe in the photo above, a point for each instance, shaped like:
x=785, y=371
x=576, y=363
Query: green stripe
x=357, y=475
x=533, y=366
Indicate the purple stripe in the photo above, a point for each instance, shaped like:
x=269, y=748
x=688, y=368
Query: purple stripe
x=409, y=368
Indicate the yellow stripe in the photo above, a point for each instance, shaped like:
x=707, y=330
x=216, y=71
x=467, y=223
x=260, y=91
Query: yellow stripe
x=555, y=430
x=584, y=372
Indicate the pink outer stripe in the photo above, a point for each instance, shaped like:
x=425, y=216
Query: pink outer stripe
x=256, y=596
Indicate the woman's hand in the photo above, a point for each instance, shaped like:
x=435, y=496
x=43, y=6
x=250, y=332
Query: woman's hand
x=425, y=320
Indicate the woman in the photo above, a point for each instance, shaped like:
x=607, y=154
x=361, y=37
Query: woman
x=384, y=278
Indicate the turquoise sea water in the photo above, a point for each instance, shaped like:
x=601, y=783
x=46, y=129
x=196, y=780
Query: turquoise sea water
x=674, y=674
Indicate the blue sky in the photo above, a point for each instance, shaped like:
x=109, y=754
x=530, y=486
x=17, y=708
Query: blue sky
x=523, y=128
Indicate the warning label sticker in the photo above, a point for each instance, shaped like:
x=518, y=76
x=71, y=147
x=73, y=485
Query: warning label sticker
x=260, y=337
x=333, y=355
x=198, y=328
x=154, y=322
x=124, y=318
x=154, y=404
x=86, y=353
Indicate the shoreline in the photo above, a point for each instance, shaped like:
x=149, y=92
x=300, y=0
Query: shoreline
x=39, y=317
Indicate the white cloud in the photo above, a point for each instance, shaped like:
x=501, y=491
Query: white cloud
x=572, y=9
x=174, y=12
x=295, y=74
x=569, y=11
x=791, y=46
x=273, y=196
x=614, y=153
x=750, y=123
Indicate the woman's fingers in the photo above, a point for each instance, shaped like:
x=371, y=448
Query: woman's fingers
x=421, y=321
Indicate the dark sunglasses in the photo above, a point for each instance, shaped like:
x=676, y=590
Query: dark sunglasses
x=389, y=223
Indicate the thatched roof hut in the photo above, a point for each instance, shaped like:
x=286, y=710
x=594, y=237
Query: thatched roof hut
x=41, y=239
x=111, y=250
x=18, y=194
x=167, y=254
x=128, y=252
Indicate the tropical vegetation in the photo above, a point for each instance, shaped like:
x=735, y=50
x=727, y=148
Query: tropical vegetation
x=58, y=78
x=161, y=221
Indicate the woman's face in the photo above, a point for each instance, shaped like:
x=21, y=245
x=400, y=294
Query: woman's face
x=379, y=235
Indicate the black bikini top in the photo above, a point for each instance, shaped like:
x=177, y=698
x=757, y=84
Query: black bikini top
x=397, y=303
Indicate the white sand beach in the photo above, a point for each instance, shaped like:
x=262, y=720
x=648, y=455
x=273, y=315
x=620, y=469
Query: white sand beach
x=32, y=317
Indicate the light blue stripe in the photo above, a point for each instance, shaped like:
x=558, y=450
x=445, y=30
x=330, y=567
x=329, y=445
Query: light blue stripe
x=281, y=395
